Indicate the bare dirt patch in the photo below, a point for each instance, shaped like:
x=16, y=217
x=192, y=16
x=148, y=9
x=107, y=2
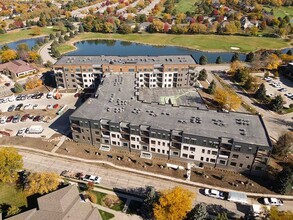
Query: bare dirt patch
x=36, y=143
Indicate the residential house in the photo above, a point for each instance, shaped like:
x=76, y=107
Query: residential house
x=16, y=69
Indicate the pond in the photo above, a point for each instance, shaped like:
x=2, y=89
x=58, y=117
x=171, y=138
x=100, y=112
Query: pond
x=123, y=48
x=30, y=42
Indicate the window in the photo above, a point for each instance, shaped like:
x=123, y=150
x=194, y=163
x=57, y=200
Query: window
x=153, y=149
x=192, y=149
x=185, y=148
x=237, y=148
x=235, y=156
x=114, y=143
x=106, y=141
x=203, y=151
x=132, y=145
x=164, y=144
x=163, y=151
x=175, y=153
x=247, y=157
x=113, y=135
x=159, y=142
x=191, y=156
x=209, y=152
x=213, y=160
x=133, y=138
x=241, y=165
x=77, y=136
x=223, y=162
x=159, y=150
x=201, y=158
x=233, y=164
x=207, y=159
x=214, y=152
x=258, y=168
x=145, y=148
x=72, y=75
x=153, y=142
x=98, y=140
x=248, y=166
x=97, y=132
x=184, y=155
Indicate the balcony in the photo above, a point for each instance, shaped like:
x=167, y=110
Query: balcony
x=144, y=133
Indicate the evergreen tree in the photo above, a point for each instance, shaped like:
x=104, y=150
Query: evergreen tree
x=219, y=60
x=235, y=57
x=212, y=87
x=203, y=60
x=284, y=180
x=249, y=57
x=248, y=83
x=277, y=103
x=71, y=34
x=222, y=216
x=289, y=52
x=261, y=92
x=66, y=38
x=80, y=29
x=18, y=88
x=241, y=75
x=147, y=206
x=52, y=37
x=61, y=40
x=202, y=76
x=200, y=212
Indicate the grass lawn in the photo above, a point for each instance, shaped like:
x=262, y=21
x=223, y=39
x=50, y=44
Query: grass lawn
x=281, y=11
x=22, y=34
x=65, y=48
x=106, y=215
x=200, y=42
x=185, y=5
x=117, y=207
x=11, y=196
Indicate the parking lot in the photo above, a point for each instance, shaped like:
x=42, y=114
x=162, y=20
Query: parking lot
x=40, y=112
x=281, y=86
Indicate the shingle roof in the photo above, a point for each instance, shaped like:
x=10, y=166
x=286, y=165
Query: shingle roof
x=62, y=204
x=16, y=66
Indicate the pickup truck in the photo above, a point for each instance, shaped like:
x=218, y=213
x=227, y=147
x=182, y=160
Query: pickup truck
x=92, y=178
x=273, y=201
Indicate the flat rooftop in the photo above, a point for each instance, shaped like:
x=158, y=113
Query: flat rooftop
x=117, y=101
x=124, y=60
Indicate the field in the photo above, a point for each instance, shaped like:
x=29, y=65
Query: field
x=281, y=11
x=106, y=215
x=11, y=196
x=185, y=5
x=22, y=34
x=65, y=48
x=199, y=42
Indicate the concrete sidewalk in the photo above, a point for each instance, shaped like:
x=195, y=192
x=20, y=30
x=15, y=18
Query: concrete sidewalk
x=45, y=54
x=189, y=183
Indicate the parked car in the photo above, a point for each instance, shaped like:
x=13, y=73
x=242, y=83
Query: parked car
x=39, y=95
x=21, y=132
x=3, y=119
x=289, y=94
x=214, y=193
x=49, y=106
x=18, y=107
x=273, y=201
x=7, y=84
x=11, y=108
x=56, y=106
x=24, y=117
x=5, y=100
x=35, y=106
x=11, y=98
x=16, y=119
x=37, y=118
x=92, y=178
x=23, y=97
x=18, y=98
x=50, y=95
x=9, y=119
x=27, y=106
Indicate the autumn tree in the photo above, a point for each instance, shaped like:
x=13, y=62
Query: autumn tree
x=33, y=83
x=261, y=92
x=273, y=61
x=36, y=31
x=241, y=75
x=284, y=144
x=276, y=104
x=42, y=182
x=12, y=210
x=8, y=55
x=227, y=99
x=173, y=204
x=276, y=214
x=236, y=65
x=33, y=56
x=10, y=163
x=202, y=76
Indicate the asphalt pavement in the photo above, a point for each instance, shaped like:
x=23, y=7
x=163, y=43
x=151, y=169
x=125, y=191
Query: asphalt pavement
x=118, y=179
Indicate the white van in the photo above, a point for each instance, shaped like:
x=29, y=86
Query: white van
x=50, y=95
x=3, y=119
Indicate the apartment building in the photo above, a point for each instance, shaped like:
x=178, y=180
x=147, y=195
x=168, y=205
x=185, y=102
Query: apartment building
x=79, y=72
x=116, y=119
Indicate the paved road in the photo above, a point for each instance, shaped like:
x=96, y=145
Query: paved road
x=149, y=8
x=112, y=178
x=45, y=53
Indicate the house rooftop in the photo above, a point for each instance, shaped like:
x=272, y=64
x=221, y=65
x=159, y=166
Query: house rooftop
x=16, y=66
x=61, y=204
x=125, y=60
x=116, y=100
